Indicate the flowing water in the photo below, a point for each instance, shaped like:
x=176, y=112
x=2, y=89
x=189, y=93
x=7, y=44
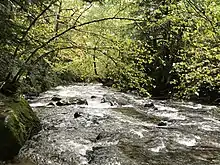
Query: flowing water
x=122, y=129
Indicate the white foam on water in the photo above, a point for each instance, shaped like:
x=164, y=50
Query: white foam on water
x=128, y=106
x=187, y=141
x=215, y=144
x=171, y=115
x=138, y=132
x=212, y=119
x=60, y=87
x=196, y=106
x=77, y=90
x=98, y=104
x=205, y=126
x=189, y=123
x=158, y=148
x=209, y=107
x=37, y=104
x=100, y=112
x=113, y=163
x=79, y=148
x=113, y=143
x=164, y=108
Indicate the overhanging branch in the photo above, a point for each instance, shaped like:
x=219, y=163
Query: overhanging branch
x=19, y=73
x=31, y=25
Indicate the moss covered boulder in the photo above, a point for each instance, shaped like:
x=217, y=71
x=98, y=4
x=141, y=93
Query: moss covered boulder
x=17, y=124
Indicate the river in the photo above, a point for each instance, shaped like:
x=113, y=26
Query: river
x=122, y=129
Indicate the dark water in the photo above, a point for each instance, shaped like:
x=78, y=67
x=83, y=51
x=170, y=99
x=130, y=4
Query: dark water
x=122, y=131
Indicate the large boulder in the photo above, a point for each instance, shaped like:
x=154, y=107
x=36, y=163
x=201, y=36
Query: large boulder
x=17, y=124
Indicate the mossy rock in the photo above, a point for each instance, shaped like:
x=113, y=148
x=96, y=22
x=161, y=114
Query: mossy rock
x=18, y=123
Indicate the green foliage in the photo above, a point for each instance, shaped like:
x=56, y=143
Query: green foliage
x=177, y=49
x=160, y=48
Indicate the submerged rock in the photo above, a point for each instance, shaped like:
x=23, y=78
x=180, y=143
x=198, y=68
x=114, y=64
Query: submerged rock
x=56, y=98
x=72, y=101
x=162, y=123
x=150, y=104
x=59, y=103
x=103, y=100
x=17, y=124
x=113, y=100
x=77, y=100
x=77, y=114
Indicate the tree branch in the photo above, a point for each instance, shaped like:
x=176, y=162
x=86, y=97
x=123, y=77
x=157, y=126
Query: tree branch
x=31, y=25
x=17, y=76
x=201, y=13
x=22, y=69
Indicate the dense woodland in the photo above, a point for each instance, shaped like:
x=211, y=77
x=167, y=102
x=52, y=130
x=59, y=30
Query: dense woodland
x=157, y=48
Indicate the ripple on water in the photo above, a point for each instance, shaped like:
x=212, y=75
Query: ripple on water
x=138, y=132
x=196, y=106
x=158, y=148
x=189, y=140
x=171, y=115
x=165, y=108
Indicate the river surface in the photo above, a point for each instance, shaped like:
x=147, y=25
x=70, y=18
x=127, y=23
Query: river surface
x=122, y=129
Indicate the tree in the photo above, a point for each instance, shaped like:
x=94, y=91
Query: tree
x=43, y=37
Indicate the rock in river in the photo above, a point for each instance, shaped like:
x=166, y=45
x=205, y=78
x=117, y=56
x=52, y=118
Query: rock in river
x=150, y=104
x=162, y=123
x=72, y=101
x=56, y=98
x=77, y=114
x=17, y=124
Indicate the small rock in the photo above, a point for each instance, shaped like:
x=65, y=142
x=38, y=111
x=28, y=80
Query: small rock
x=82, y=101
x=76, y=100
x=59, y=103
x=111, y=103
x=99, y=136
x=103, y=100
x=162, y=123
x=77, y=114
x=93, y=97
x=51, y=104
x=95, y=121
x=72, y=101
x=150, y=104
x=56, y=98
